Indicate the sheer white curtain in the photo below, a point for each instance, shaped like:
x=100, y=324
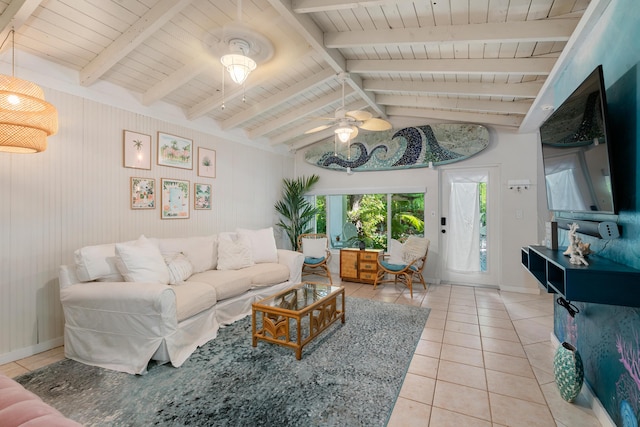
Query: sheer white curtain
x=463, y=248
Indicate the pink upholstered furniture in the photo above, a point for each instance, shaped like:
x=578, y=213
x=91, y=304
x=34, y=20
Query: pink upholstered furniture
x=19, y=407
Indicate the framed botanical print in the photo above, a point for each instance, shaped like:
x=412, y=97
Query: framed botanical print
x=206, y=162
x=175, y=199
x=202, y=196
x=136, y=150
x=175, y=151
x=143, y=193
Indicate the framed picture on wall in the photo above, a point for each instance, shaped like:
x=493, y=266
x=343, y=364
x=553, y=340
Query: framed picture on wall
x=206, y=162
x=202, y=196
x=175, y=151
x=136, y=150
x=175, y=199
x=143, y=193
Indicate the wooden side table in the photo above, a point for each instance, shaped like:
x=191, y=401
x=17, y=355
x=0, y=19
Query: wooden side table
x=359, y=265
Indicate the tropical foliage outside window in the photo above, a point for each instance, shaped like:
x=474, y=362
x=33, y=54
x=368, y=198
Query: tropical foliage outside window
x=372, y=218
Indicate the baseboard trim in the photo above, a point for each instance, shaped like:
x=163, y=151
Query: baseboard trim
x=594, y=403
x=31, y=350
x=520, y=289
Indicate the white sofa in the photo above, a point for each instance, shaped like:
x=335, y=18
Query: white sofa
x=120, y=313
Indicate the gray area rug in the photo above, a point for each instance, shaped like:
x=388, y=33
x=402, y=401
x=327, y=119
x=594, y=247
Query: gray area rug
x=348, y=376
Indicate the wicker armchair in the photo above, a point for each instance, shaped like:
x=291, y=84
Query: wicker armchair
x=316, y=255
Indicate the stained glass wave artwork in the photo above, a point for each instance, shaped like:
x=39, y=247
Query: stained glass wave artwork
x=407, y=148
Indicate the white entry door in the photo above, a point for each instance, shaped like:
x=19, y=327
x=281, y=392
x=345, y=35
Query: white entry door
x=469, y=225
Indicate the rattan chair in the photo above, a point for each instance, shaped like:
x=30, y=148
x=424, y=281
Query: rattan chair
x=403, y=273
x=314, y=264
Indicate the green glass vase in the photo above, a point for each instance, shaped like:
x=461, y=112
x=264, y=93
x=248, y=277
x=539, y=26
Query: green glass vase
x=568, y=371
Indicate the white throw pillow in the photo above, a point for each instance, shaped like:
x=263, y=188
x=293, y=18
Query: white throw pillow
x=180, y=268
x=233, y=255
x=97, y=263
x=141, y=261
x=396, y=252
x=263, y=244
x=415, y=247
x=314, y=248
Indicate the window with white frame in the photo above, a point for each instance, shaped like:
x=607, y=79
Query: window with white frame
x=372, y=218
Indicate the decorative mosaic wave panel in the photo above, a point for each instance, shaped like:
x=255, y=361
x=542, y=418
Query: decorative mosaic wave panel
x=407, y=148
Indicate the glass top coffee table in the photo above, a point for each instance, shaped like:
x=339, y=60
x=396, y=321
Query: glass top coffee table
x=310, y=308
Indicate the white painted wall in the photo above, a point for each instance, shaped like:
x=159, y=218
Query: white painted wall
x=516, y=155
x=76, y=193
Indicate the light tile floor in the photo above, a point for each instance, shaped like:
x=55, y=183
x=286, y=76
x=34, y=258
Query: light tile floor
x=484, y=359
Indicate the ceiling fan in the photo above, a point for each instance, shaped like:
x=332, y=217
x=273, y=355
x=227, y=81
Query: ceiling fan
x=348, y=122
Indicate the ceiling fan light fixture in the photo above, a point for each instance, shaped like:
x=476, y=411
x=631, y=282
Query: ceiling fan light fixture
x=238, y=64
x=344, y=133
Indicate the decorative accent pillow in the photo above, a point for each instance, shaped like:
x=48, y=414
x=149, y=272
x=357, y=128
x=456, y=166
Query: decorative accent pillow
x=415, y=247
x=314, y=248
x=262, y=243
x=180, y=268
x=396, y=252
x=141, y=261
x=234, y=255
x=97, y=263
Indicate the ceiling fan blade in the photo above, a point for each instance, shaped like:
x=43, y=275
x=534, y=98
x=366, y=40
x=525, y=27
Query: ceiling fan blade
x=376, y=125
x=359, y=115
x=354, y=133
x=318, y=129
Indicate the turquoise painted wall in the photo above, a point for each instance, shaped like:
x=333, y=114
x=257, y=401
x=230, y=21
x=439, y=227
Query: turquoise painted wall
x=608, y=337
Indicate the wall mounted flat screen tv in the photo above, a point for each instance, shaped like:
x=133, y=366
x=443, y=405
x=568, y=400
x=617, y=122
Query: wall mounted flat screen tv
x=576, y=151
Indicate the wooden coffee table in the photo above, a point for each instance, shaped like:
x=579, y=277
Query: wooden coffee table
x=315, y=302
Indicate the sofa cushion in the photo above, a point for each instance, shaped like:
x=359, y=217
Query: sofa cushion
x=193, y=298
x=266, y=274
x=141, y=261
x=227, y=284
x=201, y=251
x=180, y=268
x=263, y=244
x=233, y=255
x=97, y=263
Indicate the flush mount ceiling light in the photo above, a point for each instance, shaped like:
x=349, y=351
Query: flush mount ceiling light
x=26, y=119
x=239, y=48
x=238, y=64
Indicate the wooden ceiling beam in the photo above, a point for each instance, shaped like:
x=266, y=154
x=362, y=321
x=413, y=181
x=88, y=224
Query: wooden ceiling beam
x=14, y=16
x=548, y=30
x=516, y=90
x=457, y=116
x=312, y=6
x=431, y=102
x=298, y=113
x=177, y=79
x=133, y=37
x=501, y=66
x=313, y=35
x=280, y=98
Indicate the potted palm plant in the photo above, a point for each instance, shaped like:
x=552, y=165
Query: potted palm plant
x=296, y=212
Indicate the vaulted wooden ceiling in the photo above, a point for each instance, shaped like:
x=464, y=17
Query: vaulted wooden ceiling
x=480, y=61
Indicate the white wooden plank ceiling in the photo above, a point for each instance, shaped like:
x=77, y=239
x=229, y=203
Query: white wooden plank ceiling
x=481, y=61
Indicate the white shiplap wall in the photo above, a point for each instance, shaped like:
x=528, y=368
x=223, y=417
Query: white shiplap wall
x=76, y=193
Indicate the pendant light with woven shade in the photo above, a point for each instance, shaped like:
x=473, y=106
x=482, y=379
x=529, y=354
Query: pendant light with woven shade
x=26, y=119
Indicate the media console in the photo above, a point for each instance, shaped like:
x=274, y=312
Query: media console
x=601, y=282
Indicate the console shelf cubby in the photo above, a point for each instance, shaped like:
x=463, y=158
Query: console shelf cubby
x=601, y=282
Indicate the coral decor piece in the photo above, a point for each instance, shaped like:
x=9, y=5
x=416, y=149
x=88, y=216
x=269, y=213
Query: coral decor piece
x=577, y=250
